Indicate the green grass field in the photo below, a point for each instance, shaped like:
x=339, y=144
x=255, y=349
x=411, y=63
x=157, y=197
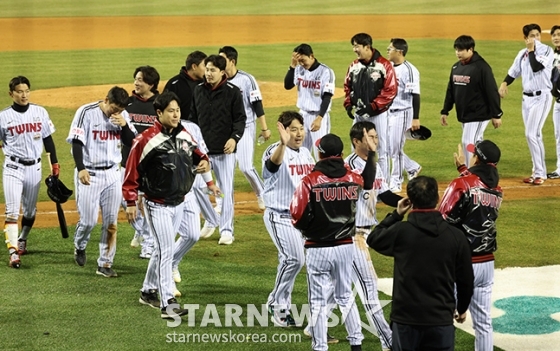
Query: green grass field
x=52, y=304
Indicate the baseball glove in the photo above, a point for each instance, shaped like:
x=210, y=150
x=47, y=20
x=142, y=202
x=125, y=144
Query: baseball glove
x=57, y=191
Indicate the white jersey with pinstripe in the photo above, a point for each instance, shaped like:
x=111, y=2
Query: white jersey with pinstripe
x=363, y=272
x=400, y=119
x=311, y=86
x=481, y=304
x=279, y=188
x=535, y=108
x=246, y=146
x=556, y=112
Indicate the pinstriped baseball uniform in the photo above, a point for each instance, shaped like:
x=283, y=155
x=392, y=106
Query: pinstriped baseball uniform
x=363, y=272
x=311, y=85
x=536, y=100
x=279, y=188
x=556, y=110
x=400, y=119
x=246, y=146
x=102, y=155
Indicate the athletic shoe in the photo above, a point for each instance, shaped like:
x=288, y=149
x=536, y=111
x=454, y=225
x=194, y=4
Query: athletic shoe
x=538, y=181
x=225, y=239
x=145, y=255
x=150, y=298
x=330, y=339
x=22, y=247
x=136, y=240
x=14, y=260
x=292, y=322
x=80, y=257
x=174, y=311
x=553, y=175
x=176, y=276
x=529, y=180
x=414, y=174
x=176, y=293
x=260, y=202
x=278, y=317
x=107, y=272
x=207, y=230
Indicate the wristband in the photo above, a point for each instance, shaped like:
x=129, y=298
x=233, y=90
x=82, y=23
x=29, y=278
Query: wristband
x=207, y=176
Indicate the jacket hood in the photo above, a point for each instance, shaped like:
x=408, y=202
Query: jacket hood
x=428, y=221
x=487, y=173
x=332, y=167
x=151, y=98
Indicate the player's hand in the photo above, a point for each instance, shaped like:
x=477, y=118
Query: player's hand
x=367, y=109
x=83, y=176
x=266, y=134
x=118, y=120
x=530, y=43
x=131, y=214
x=460, y=318
x=349, y=112
x=284, y=133
x=496, y=122
x=415, y=124
x=503, y=91
x=295, y=60
x=203, y=167
x=316, y=124
x=229, y=147
x=215, y=190
x=459, y=156
x=370, y=142
x=403, y=206
x=55, y=170
x=444, y=120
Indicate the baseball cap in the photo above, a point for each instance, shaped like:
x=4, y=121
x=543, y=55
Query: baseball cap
x=422, y=133
x=487, y=151
x=330, y=145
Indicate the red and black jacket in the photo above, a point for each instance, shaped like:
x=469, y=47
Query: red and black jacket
x=161, y=165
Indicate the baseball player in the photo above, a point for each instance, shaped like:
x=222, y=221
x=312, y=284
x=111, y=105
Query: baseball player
x=252, y=101
x=142, y=116
x=148, y=169
x=404, y=113
x=370, y=87
x=96, y=133
x=284, y=164
x=323, y=209
x=534, y=65
x=473, y=90
x=315, y=85
x=218, y=108
x=555, y=33
x=472, y=203
x=24, y=129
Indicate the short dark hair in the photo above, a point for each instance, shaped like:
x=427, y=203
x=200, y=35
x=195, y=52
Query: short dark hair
x=195, y=58
x=357, y=130
x=150, y=76
x=362, y=39
x=17, y=81
x=400, y=44
x=216, y=60
x=304, y=49
x=464, y=42
x=230, y=53
x=287, y=117
x=554, y=28
x=423, y=192
x=164, y=99
x=118, y=96
x=530, y=27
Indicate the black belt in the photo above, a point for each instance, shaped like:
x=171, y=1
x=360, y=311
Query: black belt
x=398, y=109
x=101, y=168
x=534, y=93
x=24, y=161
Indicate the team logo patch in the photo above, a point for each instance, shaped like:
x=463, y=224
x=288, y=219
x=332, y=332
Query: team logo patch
x=37, y=136
x=375, y=75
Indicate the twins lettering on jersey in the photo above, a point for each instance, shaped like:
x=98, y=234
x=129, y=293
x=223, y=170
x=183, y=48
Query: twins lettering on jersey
x=300, y=169
x=140, y=118
x=485, y=199
x=339, y=193
x=309, y=84
x=25, y=128
x=461, y=80
x=106, y=135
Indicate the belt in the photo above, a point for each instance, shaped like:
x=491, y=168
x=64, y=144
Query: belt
x=24, y=161
x=101, y=168
x=398, y=109
x=534, y=93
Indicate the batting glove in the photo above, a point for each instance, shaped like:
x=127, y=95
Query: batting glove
x=349, y=112
x=55, y=169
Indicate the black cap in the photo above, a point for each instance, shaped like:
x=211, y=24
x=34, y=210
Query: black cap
x=487, y=151
x=330, y=145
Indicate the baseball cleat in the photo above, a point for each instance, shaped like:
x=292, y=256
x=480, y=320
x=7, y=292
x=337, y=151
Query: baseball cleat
x=80, y=257
x=14, y=260
x=107, y=272
x=538, y=181
x=553, y=175
x=135, y=242
x=330, y=339
x=225, y=239
x=176, y=276
x=207, y=230
x=529, y=180
x=176, y=293
x=172, y=310
x=145, y=255
x=260, y=201
x=22, y=247
x=150, y=298
x=414, y=174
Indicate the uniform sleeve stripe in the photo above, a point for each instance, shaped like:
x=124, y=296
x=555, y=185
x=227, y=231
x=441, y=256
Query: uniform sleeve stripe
x=83, y=113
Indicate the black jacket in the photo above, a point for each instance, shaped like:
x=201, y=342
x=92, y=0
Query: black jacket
x=430, y=257
x=473, y=90
x=142, y=116
x=183, y=86
x=220, y=114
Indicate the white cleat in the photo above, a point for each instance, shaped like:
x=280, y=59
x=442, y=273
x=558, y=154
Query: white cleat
x=225, y=239
x=260, y=202
x=135, y=241
x=207, y=230
x=414, y=174
x=176, y=293
x=176, y=276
